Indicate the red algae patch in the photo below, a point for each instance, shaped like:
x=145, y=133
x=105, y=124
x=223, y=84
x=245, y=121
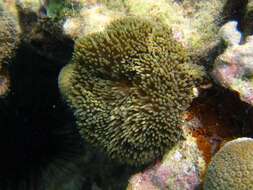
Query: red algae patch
x=214, y=120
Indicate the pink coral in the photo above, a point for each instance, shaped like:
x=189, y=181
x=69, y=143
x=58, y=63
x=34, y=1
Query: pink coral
x=234, y=68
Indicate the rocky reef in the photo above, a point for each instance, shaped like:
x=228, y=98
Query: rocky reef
x=180, y=168
x=126, y=94
x=233, y=69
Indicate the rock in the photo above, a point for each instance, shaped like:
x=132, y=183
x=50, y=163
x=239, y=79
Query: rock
x=234, y=68
x=230, y=34
x=180, y=169
x=90, y=19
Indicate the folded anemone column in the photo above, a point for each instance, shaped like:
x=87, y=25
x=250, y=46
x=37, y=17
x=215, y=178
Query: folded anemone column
x=128, y=88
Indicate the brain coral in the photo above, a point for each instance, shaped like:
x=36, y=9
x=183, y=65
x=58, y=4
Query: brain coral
x=128, y=87
x=232, y=167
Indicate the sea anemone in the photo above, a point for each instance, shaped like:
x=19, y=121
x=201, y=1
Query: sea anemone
x=128, y=87
x=9, y=40
x=9, y=37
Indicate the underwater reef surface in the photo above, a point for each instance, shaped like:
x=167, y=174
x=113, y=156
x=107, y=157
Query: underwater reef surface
x=126, y=94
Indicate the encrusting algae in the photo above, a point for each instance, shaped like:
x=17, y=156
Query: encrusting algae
x=128, y=87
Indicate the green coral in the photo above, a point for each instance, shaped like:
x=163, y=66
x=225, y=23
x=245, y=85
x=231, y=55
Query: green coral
x=232, y=167
x=128, y=87
x=60, y=9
